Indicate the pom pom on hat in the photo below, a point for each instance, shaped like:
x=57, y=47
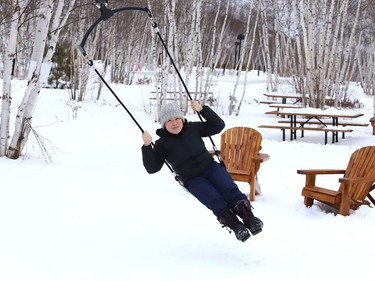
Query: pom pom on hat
x=169, y=111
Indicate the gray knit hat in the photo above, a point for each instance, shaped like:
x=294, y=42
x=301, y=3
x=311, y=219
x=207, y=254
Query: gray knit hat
x=169, y=111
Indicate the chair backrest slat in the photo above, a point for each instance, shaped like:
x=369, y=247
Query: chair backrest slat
x=238, y=145
x=361, y=164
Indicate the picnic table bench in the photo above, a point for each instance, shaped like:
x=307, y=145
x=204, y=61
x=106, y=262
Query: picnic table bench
x=293, y=131
x=268, y=101
x=284, y=98
x=328, y=121
x=310, y=122
x=303, y=122
x=296, y=99
x=280, y=106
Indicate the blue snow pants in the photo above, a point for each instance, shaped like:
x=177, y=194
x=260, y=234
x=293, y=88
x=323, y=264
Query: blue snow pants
x=215, y=189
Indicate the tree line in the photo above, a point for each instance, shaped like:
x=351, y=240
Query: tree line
x=321, y=45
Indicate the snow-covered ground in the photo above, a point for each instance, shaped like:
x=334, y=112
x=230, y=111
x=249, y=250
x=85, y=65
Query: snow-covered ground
x=93, y=213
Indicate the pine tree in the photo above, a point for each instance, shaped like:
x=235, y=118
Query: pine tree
x=61, y=70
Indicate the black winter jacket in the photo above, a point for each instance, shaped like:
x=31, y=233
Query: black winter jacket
x=186, y=151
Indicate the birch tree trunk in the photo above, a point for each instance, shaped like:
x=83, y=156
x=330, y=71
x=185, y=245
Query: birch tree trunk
x=366, y=66
x=308, y=47
x=325, y=49
x=10, y=54
x=349, y=43
x=277, y=30
x=199, y=61
x=334, y=57
x=215, y=58
x=250, y=44
x=23, y=120
x=173, y=49
x=40, y=73
x=299, y=78
x=165, y=64
x=211, y=59
x=266, y=47
x=190, y=46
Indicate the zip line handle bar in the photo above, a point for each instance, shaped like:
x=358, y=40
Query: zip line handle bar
x=105, y=15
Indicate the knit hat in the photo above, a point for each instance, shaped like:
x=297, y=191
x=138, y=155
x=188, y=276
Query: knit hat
x=169, y=111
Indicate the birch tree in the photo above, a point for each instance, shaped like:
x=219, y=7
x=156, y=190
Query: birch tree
x=190, y=50
x=298, y=78
x=326, y=50
x=246, y=43
x=325, y=45
x=199, y=61
x=10, y=54
x=308, y=21
x=217, y=50
x=266, y=46
x=251, y=45
x=366, y=63
x=277, y=35
x=41, y=65
x=347, y=46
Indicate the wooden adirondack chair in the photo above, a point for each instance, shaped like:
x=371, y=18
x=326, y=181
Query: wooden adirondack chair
x=239, y=147
x=356, y=184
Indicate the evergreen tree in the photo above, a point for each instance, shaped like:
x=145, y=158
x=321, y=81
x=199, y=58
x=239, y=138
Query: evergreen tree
x=61, y=69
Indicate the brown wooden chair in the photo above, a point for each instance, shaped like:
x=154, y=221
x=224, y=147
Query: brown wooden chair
x=239, y=148
x=356, y=184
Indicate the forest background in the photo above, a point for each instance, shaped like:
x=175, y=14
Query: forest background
x=321, y=45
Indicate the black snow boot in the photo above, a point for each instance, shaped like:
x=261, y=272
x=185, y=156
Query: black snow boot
x=228, y=219
x=243, y=210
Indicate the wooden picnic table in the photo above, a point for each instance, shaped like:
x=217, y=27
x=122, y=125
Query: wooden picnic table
x=320, y=115
x=283, y=106
x=297, y=98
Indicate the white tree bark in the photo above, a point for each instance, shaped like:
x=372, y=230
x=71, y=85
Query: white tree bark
x=366, y=68
x=10, y=54
x=190, y=46
x=334, y=57
x=277, y=29
x=199, y=61
x=325, y=49
x=215, y=57
x=249, y=44
x=300, y=61
x=346, y=67
x=306, y=16
x=326, y=36
x=265, y=46
x=27, y=106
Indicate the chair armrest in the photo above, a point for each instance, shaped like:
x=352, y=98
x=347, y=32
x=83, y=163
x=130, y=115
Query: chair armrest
x=260, y=158
x=321, y=172
x=311, y=174
x=357, y=180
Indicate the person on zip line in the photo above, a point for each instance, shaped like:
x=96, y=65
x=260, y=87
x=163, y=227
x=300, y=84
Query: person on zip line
x=180, y=143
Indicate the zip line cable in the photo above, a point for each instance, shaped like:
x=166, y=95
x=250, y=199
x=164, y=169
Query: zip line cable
x=106, y=14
